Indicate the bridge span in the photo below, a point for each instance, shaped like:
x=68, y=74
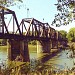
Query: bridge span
x=19, y=35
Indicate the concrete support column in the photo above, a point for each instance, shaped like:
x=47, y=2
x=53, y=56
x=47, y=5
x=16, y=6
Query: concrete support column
x=54, y=44
x=13, y=49
x=9, y=50
x=39, y=47
x=24, y=52
x=46, y=47
x=18, y=48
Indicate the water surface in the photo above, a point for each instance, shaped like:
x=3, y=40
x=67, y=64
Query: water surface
x=61, y=60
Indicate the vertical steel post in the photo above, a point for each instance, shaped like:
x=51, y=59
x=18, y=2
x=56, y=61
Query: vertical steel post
x=2, y=21
x=13, y=26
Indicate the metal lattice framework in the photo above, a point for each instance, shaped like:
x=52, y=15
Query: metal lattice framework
x=32, y=27
x=3, y=25
x=29, y=28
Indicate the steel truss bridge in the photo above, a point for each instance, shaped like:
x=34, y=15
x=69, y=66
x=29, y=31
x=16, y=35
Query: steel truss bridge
x=27, y=29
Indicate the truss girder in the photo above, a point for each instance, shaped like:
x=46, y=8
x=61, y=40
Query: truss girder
x=37, y=28
x=3, y=25
x=28, y=27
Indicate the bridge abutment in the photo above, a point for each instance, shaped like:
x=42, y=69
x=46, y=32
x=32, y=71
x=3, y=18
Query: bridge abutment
x=24, y=52
x=18, y=50
x=46, y=46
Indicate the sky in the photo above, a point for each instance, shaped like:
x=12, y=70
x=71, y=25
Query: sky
x=38, y=9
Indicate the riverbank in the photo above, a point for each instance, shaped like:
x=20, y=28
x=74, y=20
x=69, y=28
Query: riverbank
x=3, y=47
x=32, y=48
x=70, y=44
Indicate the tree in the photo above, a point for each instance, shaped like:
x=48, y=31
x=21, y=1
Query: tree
x=66, y=12
x=4, y=41
x=63, y=34
x=71, y=34
x=8, y=3
x=34, y=42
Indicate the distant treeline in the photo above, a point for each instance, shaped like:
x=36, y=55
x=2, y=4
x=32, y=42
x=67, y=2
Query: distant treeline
x=3, y=42
x=70, y=36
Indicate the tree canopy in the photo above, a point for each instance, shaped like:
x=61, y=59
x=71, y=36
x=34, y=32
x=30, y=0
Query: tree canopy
x=71, y=34
x=66, y=12
x=64, y=34
x=8, y=2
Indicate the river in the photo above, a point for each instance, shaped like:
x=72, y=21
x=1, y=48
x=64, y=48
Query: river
x=61, y=59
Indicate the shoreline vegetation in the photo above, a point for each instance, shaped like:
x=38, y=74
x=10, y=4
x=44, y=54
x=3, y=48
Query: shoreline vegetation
x=5, y=46
x=35, y=68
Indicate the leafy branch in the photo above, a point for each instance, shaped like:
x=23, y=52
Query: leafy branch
x=66, y=12
x=8, y=3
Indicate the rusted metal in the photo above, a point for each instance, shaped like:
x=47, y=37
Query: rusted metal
x=33, y=28
x=5, y=11
x=38, y=29
x=21, y=34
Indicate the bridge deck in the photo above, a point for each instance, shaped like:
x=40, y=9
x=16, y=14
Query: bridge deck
x=21, y=37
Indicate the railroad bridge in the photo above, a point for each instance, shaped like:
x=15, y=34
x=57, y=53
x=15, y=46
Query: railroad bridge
x=19, y=34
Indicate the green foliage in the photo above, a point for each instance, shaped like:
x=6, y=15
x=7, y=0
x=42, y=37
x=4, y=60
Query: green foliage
x=64, y=33
x=8, y=2
x=3, y=41
x=34, y=42
x=71, y=34
x=66, y=12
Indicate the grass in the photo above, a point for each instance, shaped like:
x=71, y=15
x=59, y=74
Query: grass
x=32, y=48
x=3, y=48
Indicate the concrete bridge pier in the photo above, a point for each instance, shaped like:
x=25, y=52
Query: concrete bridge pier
x=13, y=49
x=39, y=47
x=18, y=50
x=24, y=52
x=54, y=44
x=46, y=47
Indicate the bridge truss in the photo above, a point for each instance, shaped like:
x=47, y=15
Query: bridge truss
x=20, y=34
x=28, y=27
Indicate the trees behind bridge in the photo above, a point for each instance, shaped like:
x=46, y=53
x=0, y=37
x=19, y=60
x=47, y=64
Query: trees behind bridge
x=3, y=42
x=71, y=35
x=63, y=34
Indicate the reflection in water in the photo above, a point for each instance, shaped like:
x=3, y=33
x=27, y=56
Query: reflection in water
x=61, y=60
